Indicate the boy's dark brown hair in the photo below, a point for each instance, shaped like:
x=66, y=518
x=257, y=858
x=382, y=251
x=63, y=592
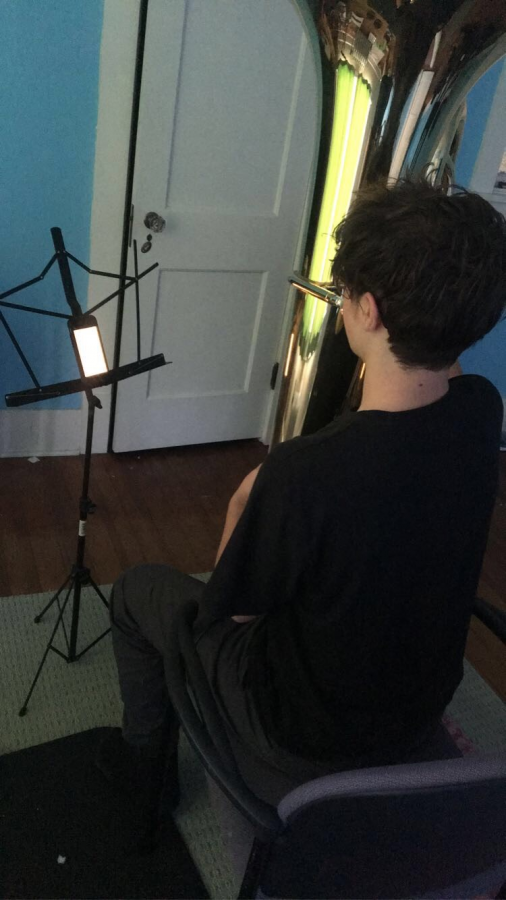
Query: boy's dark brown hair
x=434, y=262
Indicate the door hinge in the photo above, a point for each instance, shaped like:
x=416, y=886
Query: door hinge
x=130, y=226
x=274, y=375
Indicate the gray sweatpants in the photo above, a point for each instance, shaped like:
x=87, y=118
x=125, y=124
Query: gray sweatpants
x=142, y=607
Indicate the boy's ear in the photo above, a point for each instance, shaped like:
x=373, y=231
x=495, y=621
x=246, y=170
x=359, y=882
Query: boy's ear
x=370, y=312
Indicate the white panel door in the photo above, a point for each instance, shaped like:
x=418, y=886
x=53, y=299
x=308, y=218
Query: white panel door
x=226, y=147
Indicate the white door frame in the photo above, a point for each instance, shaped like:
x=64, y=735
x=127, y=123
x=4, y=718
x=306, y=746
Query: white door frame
x=116, y=79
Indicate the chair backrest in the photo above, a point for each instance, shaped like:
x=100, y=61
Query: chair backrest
x=424, y=830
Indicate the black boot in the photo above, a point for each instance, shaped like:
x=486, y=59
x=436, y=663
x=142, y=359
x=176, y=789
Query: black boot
x=140, y=773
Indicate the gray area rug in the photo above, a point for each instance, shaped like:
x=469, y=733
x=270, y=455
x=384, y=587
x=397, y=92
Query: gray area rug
x=72, y=698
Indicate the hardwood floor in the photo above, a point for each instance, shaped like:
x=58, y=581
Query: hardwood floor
x=155, y=506
x=166, y=506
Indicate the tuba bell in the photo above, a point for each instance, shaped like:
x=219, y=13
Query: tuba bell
x=395, y=75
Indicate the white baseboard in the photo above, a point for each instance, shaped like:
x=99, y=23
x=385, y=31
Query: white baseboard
x=53, y=432
x=40, y=432
x=60, y=432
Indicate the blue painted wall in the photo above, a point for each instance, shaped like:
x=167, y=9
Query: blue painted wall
x=49, y=54
x=487, y=357
x=479, y=103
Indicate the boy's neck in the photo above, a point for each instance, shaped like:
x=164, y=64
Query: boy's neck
x=389, y=387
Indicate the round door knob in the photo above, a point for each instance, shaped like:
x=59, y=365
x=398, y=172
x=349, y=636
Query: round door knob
x=154, y=222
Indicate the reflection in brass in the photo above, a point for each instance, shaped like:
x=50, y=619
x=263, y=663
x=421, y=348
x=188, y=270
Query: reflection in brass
x=395, y=76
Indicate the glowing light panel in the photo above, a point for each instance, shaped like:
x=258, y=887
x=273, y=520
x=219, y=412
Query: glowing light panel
x=90, y=350
x=352, y=102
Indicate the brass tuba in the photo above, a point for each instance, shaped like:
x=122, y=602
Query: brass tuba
x=395, y=76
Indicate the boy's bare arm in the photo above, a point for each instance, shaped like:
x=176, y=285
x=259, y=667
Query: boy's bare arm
x=235, y=509
x=234, y=513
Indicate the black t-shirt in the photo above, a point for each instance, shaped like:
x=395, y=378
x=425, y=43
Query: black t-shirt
x=360, y=550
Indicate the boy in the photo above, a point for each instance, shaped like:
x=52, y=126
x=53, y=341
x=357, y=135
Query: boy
x=333, y=628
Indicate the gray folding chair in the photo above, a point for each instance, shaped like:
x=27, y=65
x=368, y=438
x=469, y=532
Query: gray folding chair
x=433, y=829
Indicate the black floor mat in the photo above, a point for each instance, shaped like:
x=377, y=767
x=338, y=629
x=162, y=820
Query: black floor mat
x=54, y=803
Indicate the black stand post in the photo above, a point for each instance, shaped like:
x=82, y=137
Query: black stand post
x=79, y=576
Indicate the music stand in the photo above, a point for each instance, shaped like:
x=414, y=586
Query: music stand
x=94, y=373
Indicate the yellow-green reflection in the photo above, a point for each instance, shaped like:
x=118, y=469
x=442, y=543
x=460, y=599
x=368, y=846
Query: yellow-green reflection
x=351, y=107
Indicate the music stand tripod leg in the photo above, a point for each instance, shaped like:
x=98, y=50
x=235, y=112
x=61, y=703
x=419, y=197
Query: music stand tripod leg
x=80, y=575
x=54, y=598
x=99, y=592
x=82, y=578
x=85, y=579
x=24, y=708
